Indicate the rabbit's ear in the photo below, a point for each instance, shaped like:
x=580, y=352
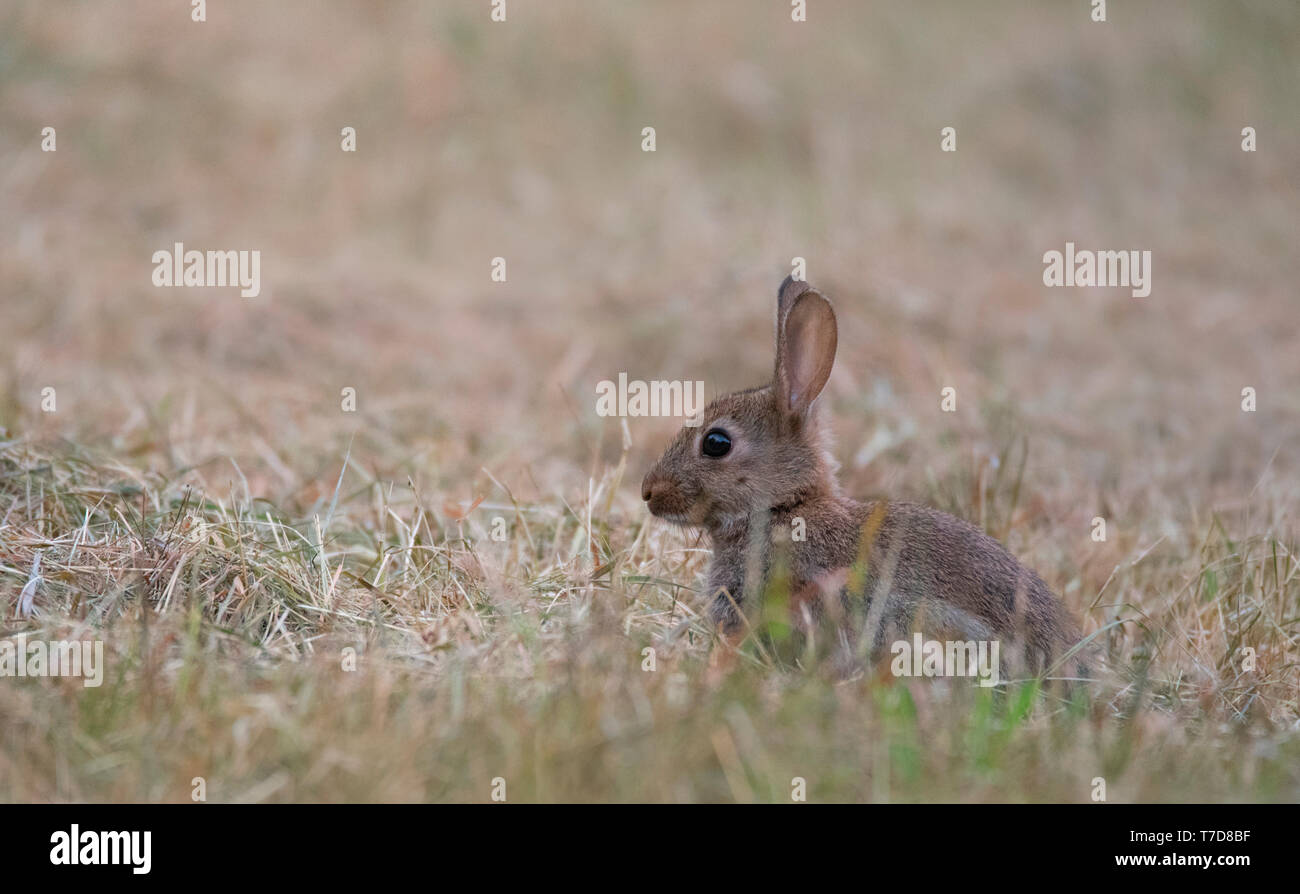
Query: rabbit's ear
x=791, y=289
x=806, y=336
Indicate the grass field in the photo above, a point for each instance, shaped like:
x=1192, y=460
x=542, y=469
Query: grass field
x=302, y=602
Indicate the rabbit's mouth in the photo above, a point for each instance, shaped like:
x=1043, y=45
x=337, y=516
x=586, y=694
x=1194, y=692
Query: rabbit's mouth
x=676, y=512
x=670, y=510
x=676, y=518
x=669, y=499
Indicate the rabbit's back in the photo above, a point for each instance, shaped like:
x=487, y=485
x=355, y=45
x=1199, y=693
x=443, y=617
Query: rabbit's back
x=949, y=577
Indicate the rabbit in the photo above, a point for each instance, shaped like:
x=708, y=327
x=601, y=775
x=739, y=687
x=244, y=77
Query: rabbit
x=758, y=465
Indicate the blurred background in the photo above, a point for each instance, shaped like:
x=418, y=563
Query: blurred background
x=775, y=140
x=185, y=495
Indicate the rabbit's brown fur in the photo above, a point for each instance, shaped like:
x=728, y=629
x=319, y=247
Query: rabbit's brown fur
x=918, y=567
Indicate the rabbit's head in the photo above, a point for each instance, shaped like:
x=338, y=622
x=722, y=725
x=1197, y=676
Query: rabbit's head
x=762, y=448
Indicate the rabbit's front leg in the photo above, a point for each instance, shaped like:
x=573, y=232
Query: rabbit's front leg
x=727, y=587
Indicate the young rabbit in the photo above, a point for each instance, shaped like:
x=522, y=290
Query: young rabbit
x=759, y=463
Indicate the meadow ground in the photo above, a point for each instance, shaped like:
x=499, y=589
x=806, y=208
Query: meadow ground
x=201, y=501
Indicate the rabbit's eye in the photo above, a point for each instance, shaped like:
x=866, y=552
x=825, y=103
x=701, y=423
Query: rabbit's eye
x=716, y=443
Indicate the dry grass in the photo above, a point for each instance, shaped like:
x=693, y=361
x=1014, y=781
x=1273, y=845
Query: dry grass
x=201, y=503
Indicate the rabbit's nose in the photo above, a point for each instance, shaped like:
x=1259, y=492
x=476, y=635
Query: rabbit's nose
x=648, y=487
